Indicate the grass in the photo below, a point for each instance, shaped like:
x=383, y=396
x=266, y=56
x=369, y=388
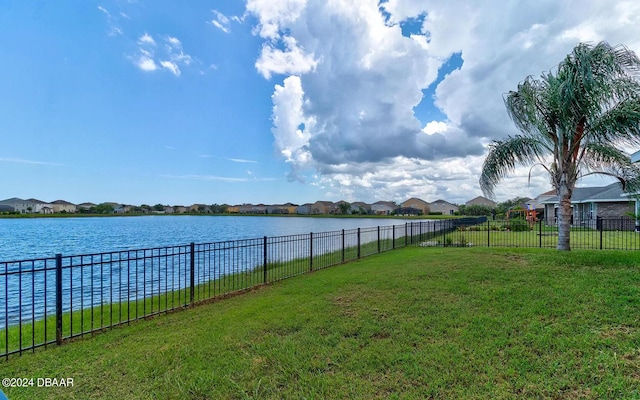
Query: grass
x=42, y=332
x=413, y=323
x=581, y=238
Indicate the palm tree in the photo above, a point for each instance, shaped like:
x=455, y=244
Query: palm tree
x=574, y=123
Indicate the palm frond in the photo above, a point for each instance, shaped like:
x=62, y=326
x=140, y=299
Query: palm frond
x=606, y=159
x=505, y=155
x=620, y=123
x=529, y=109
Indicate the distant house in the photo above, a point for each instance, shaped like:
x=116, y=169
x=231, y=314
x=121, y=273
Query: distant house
x=359, y=207
x=200, y=208
x=39, y=206
x=589, y=203
x=85, y=206
x=339, y=207
x=252, y=209
x=277, y=209
x=121, y=209
x=383, y=207
x=15, y=204
x=323, y=207
x=304, y=209
x=233, y=209
x=290, y=207
x=481, y=201
x=29, y=206
x=444, y=207
x=538, y=202
x=180, y=209
x=61, y=206
x=418, y=204
x=287, y=208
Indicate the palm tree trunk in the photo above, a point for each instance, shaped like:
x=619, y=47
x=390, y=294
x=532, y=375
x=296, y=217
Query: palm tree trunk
x=564, y=217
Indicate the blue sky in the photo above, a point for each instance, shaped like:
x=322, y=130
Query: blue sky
x=272, y=101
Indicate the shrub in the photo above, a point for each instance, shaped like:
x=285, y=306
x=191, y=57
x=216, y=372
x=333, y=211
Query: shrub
x=518, y=225
x=463, y=241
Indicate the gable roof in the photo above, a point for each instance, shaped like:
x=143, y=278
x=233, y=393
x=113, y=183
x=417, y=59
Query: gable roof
x=481, y=200
x=62, y=202
x=12, y=200
x=442, y=201
x=610, y=193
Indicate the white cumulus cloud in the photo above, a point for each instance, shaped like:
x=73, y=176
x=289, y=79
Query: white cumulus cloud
x=351, y=79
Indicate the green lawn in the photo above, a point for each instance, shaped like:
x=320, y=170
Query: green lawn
x=420, y=322
x=547, y=237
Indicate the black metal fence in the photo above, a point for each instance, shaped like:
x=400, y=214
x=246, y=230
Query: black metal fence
x=48, y=300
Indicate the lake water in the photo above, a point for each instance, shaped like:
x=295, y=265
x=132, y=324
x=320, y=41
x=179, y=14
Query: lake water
x=127, y=273
x=28, y=238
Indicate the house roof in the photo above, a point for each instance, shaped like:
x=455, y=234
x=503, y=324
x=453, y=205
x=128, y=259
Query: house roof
x=324, y=202
x=384, y=203
x=62, y=202
x=12, y=200
x=32, y=200
x=442, y=201
x=415, y=199
x=612, y=192
x=481, y=200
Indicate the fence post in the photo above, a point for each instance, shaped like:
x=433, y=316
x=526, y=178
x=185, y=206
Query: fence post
x=406, y=232
x=311, y=251
x=58, y=299
x=411, y=232
x=378, y=238
x=358, y=242
x=264, y=258
x=343, y=245
x=192, y=273
x=601, y=229
x=393, y=237
x=540, y=232
x=488, y=233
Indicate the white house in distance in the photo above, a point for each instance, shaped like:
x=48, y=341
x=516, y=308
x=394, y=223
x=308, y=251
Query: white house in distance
x=29, y=206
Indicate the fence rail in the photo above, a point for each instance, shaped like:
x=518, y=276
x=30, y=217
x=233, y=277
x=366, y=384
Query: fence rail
x=49, y=300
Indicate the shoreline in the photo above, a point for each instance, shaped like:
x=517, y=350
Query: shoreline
x=82, y=215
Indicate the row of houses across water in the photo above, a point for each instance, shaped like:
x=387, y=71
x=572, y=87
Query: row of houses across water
x=588, y=204
x=35, y=206
x=412, y=206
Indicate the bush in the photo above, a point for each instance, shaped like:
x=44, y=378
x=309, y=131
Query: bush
x=518, y=225
x=435, y=213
